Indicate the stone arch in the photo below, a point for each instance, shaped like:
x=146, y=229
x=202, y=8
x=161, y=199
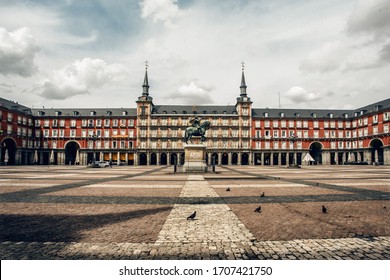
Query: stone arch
x=315, y=150
x=71, y=148
x=376, y=148
x=153, y=159
x=173, y=158
x=244, y=159
x=235, y=158
x=143, y=159
x=215, y=157
x=8, y=151
x=225, y=159
x=163, y=159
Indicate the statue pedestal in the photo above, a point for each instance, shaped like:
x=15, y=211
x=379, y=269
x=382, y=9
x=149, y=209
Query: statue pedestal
x=195, y=155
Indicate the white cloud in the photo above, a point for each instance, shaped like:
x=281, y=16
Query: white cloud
x=300, y=95
x=17, y=52
x=160, y=10
x=80, y=77
x=191, y=93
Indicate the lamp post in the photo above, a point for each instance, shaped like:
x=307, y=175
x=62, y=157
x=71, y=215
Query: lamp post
x=293, y=139
x=93, y=138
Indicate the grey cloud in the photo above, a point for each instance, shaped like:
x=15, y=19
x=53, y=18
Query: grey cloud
x=370, y=17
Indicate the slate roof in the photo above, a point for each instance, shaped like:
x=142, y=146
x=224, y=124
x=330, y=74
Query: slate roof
x=84, y=112
x=14, y=106
x=188, y=109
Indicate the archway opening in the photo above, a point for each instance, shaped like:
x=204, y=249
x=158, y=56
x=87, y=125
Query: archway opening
x=315, y=151
x=225, y=159
x=376, y=147
x=173, y=159
x=163, y=159
x=244, y=159
x=234, y=158
x=8, y=151
x=71, y=149
x=153, y=159
x=214, y=158
x=143, y=160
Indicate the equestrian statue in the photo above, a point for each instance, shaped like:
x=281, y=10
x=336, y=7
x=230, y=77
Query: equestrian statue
x=196, y=129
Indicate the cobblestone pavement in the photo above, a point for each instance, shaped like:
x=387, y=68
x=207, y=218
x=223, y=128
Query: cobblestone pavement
x=140, y=213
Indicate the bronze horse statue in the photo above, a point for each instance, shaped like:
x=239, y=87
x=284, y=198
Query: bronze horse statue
x=194, y=131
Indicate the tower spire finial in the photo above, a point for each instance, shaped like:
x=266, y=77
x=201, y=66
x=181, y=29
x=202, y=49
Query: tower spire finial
x=145, y=86
x=243, y=84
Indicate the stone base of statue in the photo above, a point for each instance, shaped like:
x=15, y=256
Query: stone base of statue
x=195, y=156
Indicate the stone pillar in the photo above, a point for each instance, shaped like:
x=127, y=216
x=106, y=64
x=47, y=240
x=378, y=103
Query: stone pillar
x=239, y=158
x=272, y=162
x=262, y=158
x=148, y=158
x=219, y=158
x=127, y=158
x=18, y=157
x=229, y=158
x=279, y=159
x=135, y=159
x=158, y=156
x=168, y=159
x=367, y=156
x=251, y=162
x=386, y=156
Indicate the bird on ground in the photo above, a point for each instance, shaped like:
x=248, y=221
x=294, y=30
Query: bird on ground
x=324, y=209
x=258, y=209
x=192, y=216
x=228, y=189
x=262, y=195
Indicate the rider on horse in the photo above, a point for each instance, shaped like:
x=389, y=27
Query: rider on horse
x=195, y=122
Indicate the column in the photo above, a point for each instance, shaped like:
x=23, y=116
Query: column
x=367, y=156
x=158, y=155
x=219, y=158
x=386, y=156
x=272, y=159
x=262, y=158
x=230, y=158
x=239, y=158
x=250, y=159
x=127, y=158
x=168, y=159
x=148, y=158
x=135, y=158
x=279, y=159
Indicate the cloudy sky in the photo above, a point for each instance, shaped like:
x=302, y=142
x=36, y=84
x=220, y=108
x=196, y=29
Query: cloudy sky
x=313, y=54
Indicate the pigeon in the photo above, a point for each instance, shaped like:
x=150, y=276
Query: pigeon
x=258, y=209
x=324, y=209
x=262, y=195
x=192, y=216
x=228, y=189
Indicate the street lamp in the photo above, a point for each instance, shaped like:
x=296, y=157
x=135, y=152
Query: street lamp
x=93, y=138
x=293, y=139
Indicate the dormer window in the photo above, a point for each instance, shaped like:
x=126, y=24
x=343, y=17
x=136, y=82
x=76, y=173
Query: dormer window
x=313, y=115
x=378, y=107
x=346, y=115
x=297, y=115
x=41, y=113
x=58, y=113
x=214, y=112
x=174, y=112
x=92, y=113
x=224, y=112
x=108, y=113
x=76, y=113
x=356, y=114
x=265, y=114
x=164, y=112
x=282, y=115
x=184, y=112
x=204, y=112
x=361, y=112
x=124, y=113
x=330, y=115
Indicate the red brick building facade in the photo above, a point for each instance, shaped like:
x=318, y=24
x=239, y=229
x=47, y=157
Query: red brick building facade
x=154, y=134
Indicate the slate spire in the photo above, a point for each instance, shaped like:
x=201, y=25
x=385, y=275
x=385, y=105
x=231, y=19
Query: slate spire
x=243, y=84
x=145, y=86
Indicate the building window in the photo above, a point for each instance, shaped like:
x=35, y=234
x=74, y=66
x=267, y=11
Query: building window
x=276, y=145
x=284, y=133
x=386, y=116
x=46, y=123
x=290, y=124
x=258, y=133
x=305, y=124
x=375, y=119
x=72, y=133
x=275, y=123
x=62, y=133
x=115, y=122
x=98, y=123
x=341, y=134
x=299, y=124
x=257, y=124
x=131, y=122
x=46, y=133
x=316, y=134
x=386, y=128
x=267, y=145
x=340, y=124
x=106, y=122
x=375, y=130
x=106, y=144
x=9, y=117
x=72, y=123
x=315, y=124
x=54, y=133
x=266, y=124
x=84, y=133
x=84, y=123
x=332, y=124
x=283, y=124
x=276, y=134
x=365, y=121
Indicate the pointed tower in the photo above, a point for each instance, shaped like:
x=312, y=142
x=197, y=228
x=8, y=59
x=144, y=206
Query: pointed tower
x=144, y=112
x=244, y=112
